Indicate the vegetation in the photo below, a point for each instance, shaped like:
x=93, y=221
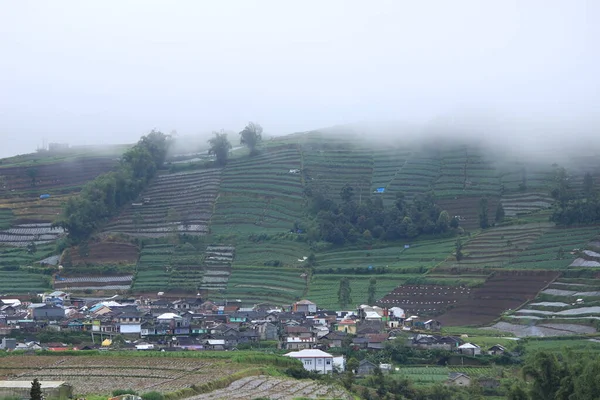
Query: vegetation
x=251, y=136
x=36, y=390
x=573, y=206
x=220, y=146
x=103, y=197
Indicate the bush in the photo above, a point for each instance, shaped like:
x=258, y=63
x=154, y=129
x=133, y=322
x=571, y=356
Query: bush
x=154, y=395
x=119, y=392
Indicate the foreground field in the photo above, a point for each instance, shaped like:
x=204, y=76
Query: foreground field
x=276, y=389
x=163, y=374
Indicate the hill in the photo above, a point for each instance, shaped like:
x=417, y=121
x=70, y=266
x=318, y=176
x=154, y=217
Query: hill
x=251, y=230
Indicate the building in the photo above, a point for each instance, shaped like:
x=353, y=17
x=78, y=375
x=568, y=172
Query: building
x=469, y=349
x=305, y=306
x=50, y=389
x=46, y=311
x=347, y=326
x=314, y=360
x=496, y=350
x=8, y=344
x=366, y=367
x=458, y=379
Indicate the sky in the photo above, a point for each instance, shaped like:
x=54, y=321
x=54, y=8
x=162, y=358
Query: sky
x=101, y=72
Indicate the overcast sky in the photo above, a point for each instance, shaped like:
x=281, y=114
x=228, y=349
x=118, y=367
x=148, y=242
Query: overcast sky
x=109, y=71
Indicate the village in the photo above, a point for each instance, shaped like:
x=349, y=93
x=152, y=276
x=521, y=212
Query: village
x=302, y=330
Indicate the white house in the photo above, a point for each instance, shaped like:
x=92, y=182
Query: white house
x=469, y=349
x=314, y=360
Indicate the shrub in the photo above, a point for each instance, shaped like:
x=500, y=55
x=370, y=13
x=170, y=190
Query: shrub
x=119, y=392
x=154, y=395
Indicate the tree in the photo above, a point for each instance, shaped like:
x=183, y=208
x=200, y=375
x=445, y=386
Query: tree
x=344, y=292
x=560, y=254
x=499, y=213
x=347, y=193
x=36, y=390
x=443, y=221
x=483, y=213
x=454, y=223
x=31, y=247
x=251, y=136
x=219, y=146
x=371, y=291
x=458, y=253
x=32, y=173
x=546, y=373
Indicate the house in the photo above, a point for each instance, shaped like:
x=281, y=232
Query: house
x=45, y=311
x=57, y=297
x=298, y=331
x=376, y=341
x=333, y=339
x=8, y=344
x=347, y=326
x=298, y=343
x=304, y=306
x=21, y=389
x=8, y=309
x=266, y=330
x=458, y=379
x=366, y=367
x=130, y=323
x=469, y=349
x=496, y=350
x=314, y=360
x=432, y=325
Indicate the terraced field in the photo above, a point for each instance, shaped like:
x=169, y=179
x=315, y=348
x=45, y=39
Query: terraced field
x=152, y=268
x=496, y=247
x=217, y=266
x=505, y=290
x=543, y=253
x=275, y=388
x=20, y=271
x=515, y=204
x=180, y=202
x=428, y=375
x=141, y=374
x=23, y=234
x=259, y=194
x=467, y=210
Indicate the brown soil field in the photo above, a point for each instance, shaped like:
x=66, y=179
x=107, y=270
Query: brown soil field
x=503, y=291
x=468, y=208
x=107, y=253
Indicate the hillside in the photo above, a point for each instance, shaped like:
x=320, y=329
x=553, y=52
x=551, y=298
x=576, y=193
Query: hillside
x=246, y=231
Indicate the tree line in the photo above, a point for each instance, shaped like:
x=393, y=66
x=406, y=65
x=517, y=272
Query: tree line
x=574, y=206
x=350, y=219
x=103, y=197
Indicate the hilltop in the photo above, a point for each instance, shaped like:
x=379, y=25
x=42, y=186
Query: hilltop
x=305, y=212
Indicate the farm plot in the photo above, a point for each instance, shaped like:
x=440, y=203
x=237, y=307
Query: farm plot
x=81, y=283
x=179, y=202
x=217, y=262
x=261, y=194
x=6, y=218
x=105, y=253
x=503, y=291
x=22, y=281
x=467, y=210
x=53, y=177
x=515, y=204
x=110, y=373
x=387, y=163
x=495, y=247
x=152, y=268
x=542, y=329
x=22, y=235
x=287, y=253
x=409, y=257
x=428, y=375
x=519, y=176
x=323, y=288
x=417, y=175
x=331, y=169
x=545, y=252
x=260, y=387
x=425, y=299
x=274, y=285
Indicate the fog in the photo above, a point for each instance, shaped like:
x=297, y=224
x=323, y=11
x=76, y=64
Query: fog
x=110, y=71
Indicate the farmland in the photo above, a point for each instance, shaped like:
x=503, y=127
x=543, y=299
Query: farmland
x=275, y=388
x=502, y=291
x=159, y=213
x=428, y=375
x=260, y=194
x=163, y=374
